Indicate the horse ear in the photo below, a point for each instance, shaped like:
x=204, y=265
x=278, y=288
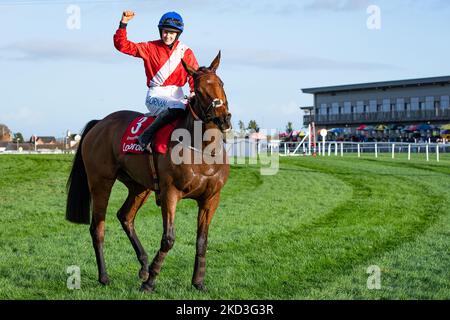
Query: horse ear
x=215, y=64
x=188, y=68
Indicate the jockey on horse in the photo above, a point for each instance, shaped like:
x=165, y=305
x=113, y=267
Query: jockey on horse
x=99, y=160
x=165, y=74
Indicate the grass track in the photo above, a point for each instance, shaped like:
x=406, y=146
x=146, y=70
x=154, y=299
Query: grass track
x=308, y=232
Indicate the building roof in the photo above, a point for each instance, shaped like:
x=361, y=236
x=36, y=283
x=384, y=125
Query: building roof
x=45, y=139
x=380, y=85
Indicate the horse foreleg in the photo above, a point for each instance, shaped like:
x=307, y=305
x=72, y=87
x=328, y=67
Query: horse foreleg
x=100, y=195
x=168, y=207
x=136, y=198
x=206, y=210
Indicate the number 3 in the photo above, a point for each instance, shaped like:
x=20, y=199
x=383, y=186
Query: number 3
x=134, y=130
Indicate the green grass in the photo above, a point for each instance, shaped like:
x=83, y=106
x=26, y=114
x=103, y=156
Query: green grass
x=308, y=232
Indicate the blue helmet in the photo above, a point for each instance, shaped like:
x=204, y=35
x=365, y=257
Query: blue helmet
x=171, y=21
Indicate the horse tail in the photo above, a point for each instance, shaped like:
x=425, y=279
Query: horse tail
x=78, y=195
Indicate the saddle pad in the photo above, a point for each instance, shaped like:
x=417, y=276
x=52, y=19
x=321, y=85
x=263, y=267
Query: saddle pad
x=129, y=142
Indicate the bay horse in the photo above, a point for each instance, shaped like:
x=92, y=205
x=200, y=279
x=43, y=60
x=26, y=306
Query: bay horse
x=98, y=162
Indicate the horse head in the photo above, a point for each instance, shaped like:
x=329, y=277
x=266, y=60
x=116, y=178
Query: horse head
x=210, y=98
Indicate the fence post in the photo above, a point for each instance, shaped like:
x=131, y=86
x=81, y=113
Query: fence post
x=393, y=151
x=359, y=151
x=409, y=152
x=320, y=149
x=376, y=150
x=309, y=139
x=437, y=152
x=342, y=149
x=426, y=150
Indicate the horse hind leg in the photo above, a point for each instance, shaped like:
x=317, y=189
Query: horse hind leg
x=137, y=195
x=100, y=192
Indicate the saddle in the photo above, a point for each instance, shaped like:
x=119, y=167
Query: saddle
x=129, y=143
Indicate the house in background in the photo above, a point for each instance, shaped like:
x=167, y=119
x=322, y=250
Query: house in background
x=73, y=140
x=47, y=140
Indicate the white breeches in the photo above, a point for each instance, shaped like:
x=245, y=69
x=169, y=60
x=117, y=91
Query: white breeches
x=162, y=98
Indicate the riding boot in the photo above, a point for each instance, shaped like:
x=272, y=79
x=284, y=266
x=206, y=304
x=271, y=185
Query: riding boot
x=165, y=117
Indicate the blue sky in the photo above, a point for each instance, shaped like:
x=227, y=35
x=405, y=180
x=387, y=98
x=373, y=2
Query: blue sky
x=55, y=79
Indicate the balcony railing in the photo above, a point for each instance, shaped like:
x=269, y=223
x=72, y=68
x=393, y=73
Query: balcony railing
x=381, y=117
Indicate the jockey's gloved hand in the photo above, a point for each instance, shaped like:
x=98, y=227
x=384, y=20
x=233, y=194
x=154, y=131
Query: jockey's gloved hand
x=127, y=16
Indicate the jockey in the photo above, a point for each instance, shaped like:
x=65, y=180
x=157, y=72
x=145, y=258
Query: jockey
x=165, y=73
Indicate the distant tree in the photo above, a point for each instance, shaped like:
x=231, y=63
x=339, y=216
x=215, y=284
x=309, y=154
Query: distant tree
x=241, y=128
x=241, y=125
x=289, y=128
x=5, y=133
x=18, y=136
x=253, y=126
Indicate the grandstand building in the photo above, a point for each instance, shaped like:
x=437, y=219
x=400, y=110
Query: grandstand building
x=383, y=110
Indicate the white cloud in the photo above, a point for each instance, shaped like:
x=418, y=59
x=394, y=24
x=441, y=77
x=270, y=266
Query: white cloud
x=23, y=117
x=337, y=5
x=285, y=61
x=37, y=50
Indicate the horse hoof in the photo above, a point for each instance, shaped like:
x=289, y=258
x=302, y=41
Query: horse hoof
x=200, y=287
x=143, y=274
x=147, y=288
x=104, y=280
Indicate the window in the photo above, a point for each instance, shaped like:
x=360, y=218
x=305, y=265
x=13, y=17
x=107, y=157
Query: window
x=429, y=103
x=347, y=107
x=400, y=105
x=373, y=106
x=359, y=107
x=415, y=104
x=445, y=102
x=386, y=105
x=335, y=108
x=323, y=109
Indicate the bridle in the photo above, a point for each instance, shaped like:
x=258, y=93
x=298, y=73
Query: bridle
x=207, y=115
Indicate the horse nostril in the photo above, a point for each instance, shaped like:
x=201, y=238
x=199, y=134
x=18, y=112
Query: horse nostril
x=228, y=120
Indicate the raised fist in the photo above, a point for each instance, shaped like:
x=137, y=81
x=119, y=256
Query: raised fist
x=127, y=16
